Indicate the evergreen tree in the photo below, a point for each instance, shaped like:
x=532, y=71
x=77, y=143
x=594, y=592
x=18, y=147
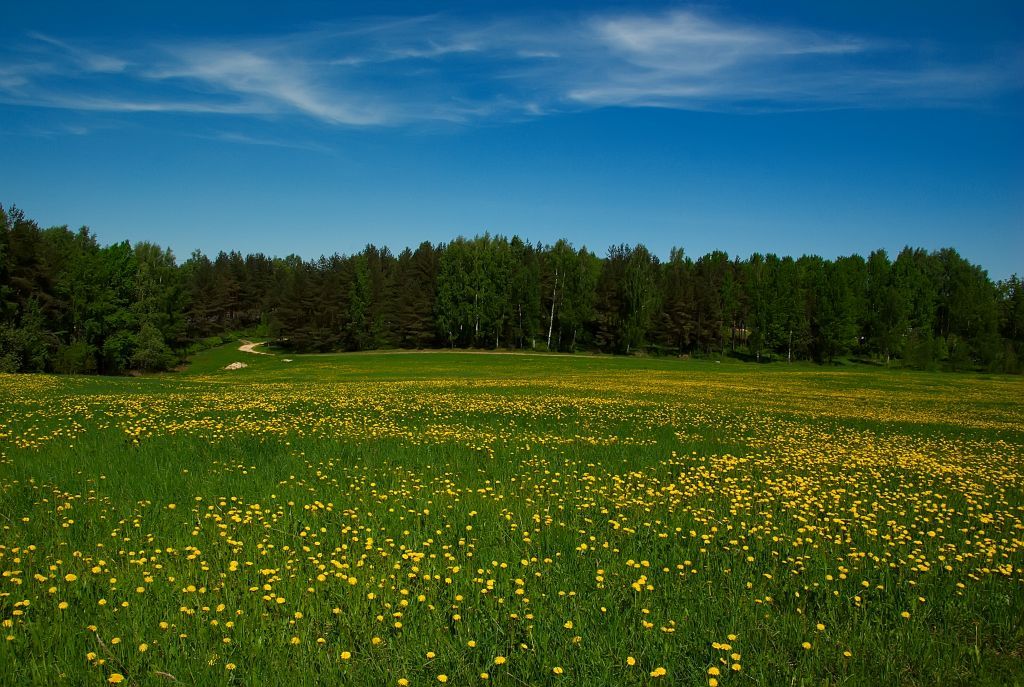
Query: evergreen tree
x=68, y=304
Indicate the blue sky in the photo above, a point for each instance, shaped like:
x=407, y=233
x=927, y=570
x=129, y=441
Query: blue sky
x=790, y=127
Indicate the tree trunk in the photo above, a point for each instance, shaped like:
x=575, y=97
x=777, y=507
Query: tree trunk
x=520, y=343
x=551, y=319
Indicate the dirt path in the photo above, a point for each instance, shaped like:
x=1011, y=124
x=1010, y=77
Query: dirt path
x=248, y=346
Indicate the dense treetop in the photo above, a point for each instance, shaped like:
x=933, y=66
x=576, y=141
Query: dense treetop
x=68, y=304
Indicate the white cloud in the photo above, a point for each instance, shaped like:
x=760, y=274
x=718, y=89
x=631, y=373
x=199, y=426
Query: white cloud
x=272, y=83
x=246, y=139
x=432, y=68
x=687, y=61
x=86, y=60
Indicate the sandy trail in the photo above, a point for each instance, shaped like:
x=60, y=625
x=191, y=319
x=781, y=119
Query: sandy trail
x=249, y=346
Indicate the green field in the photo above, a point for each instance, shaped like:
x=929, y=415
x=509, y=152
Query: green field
x=383, y=519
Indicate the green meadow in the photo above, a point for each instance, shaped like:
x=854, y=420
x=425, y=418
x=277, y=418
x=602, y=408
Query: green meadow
x=463, y=518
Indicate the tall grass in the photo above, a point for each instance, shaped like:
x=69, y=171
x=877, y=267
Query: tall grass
x=373, y=519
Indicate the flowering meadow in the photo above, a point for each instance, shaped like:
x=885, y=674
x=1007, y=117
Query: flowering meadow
x=426, y=518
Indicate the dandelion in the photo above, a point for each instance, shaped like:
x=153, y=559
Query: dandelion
x=499, y=660
x=557, y=670
x=115, y=678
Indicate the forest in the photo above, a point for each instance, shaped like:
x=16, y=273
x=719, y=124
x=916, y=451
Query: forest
x=71, y=305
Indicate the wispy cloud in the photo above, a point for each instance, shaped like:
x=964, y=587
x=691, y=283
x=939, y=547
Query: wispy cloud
x=270, y=82
x=84, y=59
x=246, y=139
x=433, y=68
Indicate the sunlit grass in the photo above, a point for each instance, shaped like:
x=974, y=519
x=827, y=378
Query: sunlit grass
x=370, y=519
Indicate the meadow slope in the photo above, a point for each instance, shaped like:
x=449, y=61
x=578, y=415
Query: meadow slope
x=374, y=519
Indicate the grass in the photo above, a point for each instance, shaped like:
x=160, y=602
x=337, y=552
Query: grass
x=366, y=519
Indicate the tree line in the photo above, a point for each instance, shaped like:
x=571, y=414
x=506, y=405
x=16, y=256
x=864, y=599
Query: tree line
x=68, y=304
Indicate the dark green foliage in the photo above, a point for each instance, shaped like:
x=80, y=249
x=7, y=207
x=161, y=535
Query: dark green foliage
x=69, y=305
x=77, y=358
x=151, y=353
